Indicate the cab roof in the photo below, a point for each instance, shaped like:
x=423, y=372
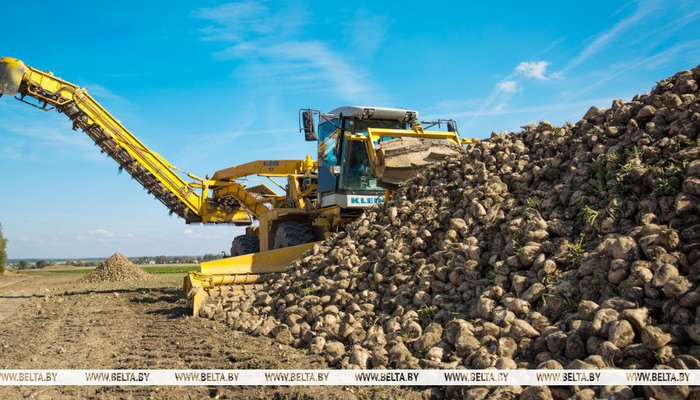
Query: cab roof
x=361, y=112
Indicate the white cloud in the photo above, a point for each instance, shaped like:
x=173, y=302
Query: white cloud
x=367, y=32
x=504, y=90
x=533, y=69
x=241, y=13
x=499, y=96
x=550, y=47
x=644, y=8
x=242, y=20
x=103, y=233
x=690, y=49
x=305, y=61
x=454, y=104
x=619, y=10
x=502, y=109
x=507, y=86
x=275, y=52
x=190, y=232
x=32, y=136
x=669, y=29
x=100, y=92
x=499, y=108
x=206, y=234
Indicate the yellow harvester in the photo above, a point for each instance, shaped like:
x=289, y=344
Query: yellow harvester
x=363, y=152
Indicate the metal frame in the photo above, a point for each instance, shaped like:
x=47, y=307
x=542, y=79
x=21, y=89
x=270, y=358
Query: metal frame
x=416, y=131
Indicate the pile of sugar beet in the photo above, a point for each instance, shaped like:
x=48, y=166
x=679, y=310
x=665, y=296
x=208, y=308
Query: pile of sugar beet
x=116, y=268
x=571, y=247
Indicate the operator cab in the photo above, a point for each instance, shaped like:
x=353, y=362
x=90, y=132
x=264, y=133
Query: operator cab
x=344, y=171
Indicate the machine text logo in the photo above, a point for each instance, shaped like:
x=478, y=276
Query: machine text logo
x=366, y=200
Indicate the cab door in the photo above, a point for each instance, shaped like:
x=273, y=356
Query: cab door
x=328, y=136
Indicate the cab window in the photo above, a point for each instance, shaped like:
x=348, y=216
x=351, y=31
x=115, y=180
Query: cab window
x=356, y=171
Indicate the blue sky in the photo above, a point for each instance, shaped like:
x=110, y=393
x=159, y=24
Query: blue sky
x=210, y=85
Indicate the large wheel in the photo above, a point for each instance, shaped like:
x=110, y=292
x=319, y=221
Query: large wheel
x=245, y=244
x=292, y=233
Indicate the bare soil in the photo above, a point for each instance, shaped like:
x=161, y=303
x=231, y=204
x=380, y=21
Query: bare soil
x=123, y=325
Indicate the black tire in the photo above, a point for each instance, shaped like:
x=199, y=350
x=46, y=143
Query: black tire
x=245, y=244
x=292, y=233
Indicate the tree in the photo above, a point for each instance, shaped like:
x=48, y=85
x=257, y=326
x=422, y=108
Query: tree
x=41, y=263
x=23, y=264
x=210, y=257
x=3, y=253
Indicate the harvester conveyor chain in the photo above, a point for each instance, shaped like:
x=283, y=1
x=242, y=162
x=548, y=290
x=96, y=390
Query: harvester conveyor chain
x=124, y=159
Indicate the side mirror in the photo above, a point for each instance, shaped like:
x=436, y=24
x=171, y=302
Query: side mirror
x=451, y=126
x=309, y=126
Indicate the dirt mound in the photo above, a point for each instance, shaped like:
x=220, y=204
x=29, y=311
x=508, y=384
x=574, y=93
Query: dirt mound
x=556, y=247
x=116, y=268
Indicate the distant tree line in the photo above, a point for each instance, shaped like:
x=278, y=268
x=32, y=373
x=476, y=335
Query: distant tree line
x=24, y=264
x=176, y=259
x=80, y=263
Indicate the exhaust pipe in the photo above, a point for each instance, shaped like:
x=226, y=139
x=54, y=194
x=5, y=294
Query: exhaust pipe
x=11, y=74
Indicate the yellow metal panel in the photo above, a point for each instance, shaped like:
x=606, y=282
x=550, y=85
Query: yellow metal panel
x=376, y=158
x=256, y=263
x=373, y=133
x=264, y=231
x=241, y=270
x=210, y=281
x=239, y=217
x=264, y=167
x=196, y=286
x=195, y=292
x=246, y=200
x=419, y=134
